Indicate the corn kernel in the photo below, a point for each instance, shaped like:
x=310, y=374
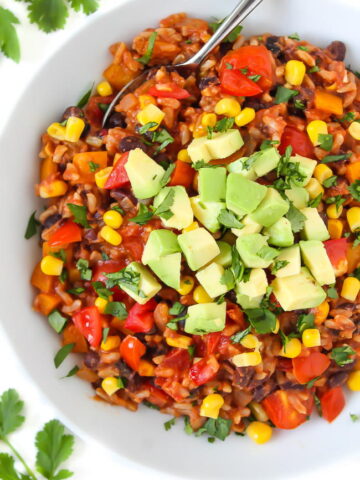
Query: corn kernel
x=250, y=341
x=316, y=128
x=186, y=285
x=259, y=432
x=101, y=176
x=353, y=382
x=48, y=167
x=333, y=211
x=57, y=131
x=322, y=172
x=350, y=288
x=100, y=304
x=146, y=100
x=209, y=120
x=110, y=385
x=354, y=130
x=110, y=235
x=112, y=342
x=151, y=113
x=146, y=369
x=183, y=156
x=277, y=326
x=104, y=89
x=295, y=72
x=258, y=412
x=56, y=188
x=250, y=359
x=322, y=312
x=228, y=107
x=245, y=116
x=314, y=188
x=51, y=265
x=311, y=337
x=199, y=131
x=74, y=128
x=113, y=219
x=192, y=226
x=292, y=349
x=181, y=341
x=211, y=405
x=335, y=228
x=353, y=218
x=200, y=295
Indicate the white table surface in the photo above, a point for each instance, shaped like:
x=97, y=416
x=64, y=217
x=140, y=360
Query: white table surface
x=89, y=461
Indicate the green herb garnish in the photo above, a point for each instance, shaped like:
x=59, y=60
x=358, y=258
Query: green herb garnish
x=57, y=321
x=229, y=220
x=62, y=354
x=101, y=290
x=354, y=189
x=116, y=309
x=32, y=226
x=261, y=319
x=342, y=355
x=80, y=214
x=85, y=272
x=335, y=158
x=296, y=218
x=283, y=94
x=145, y=59
x=326, y=141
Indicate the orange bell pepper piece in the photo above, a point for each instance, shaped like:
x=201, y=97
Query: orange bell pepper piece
x=328, y=102
x=47, y=168
x=72, y=335
x=183, y=174
x=84, y=161
x=353, y=171
x=45, y=303
x=41, y=281
x=353, y=258
x=118, y=75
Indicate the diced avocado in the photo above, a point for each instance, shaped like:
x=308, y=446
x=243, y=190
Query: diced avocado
x=198, y=150
x=316, y=259
x=159, y=244
x=297, y=292
x=205, y=318
x=280, y=234
x=271, y=209
x=306, y=168
x=249, y=246
x=248, y=302
x=144, y=174
x=243, y=195
x=292, y=256
x=223, y=145
x=240, y=166
x=210, y=277
x=256, y=285
x=147, y=287
x=266, y=160
x=225, y=257
x=199, y=247
x=314, y=227
x=212, y=184
x=207, y=213
x=298, y=195
x=181, y=208
x=250, y=226
x=168, y=269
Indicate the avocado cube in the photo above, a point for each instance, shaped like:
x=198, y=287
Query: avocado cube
x=225, y=256
x=248, y=302
x=243, y=195
x=148, y=286
x=207, y=213
x=168, y=269
x=249, y=248
x=250, y=226
x=292, y=256
x=182, y=214
x=266, y=161
x=222, y=145
x=144, y=173
x=271, y=209
x=205, y=318
x=210, y=278
x=256, y=285
x=280, y=234
x=299, y=196
x=198, y=150
x=316, y=259
x=212, y=184
x=240, y=166
x=160, y=243
x=199, y=247
x=314, y=227
x=298, y=291
x=306, y=168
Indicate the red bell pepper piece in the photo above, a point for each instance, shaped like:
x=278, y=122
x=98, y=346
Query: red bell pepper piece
x=140, y=318
x=118, y=177
x=308, y=368
x=168, y=90
x=89, y=322
x=69, y=232
x=299, y=141
x=183, y=174
x=106, y=266
x=336, y=250
x=204, y=370
x=332, y=403
x=156, y=396
x=131, y=350
x=282, y=413
x=236, y=83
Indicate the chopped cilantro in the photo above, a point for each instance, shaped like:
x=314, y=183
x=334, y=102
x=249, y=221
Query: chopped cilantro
x=354, y=418
x=143, y=216
x=116, y=309
x=85, y=98
x=57, y=321
x=105, y=334
x=93, y=166
x=229, y=220
x=237, y=337
x=85, y=272
x=76, y=291
x=163, y=210
x=296, y=218
x=254, y=78
x=163, y=137
x=224, y=124
x=338, y=200
x=202, y=164
x=326, y=141
x=299, y=104
x=268, y=143
x=62, y=354
x=294, y=36
x=169, y=424
x=145, y=128
x=342, y=355
x=232, y=36
x=283, y=94
x=303, y=47
x=354, y=189
x=177, y=309
x=167, y=175
x=305, y=321
x=348, y=117
x=103, y=106
x=314, y=69
x=101, y=290
x=278, y=265
x=314, y=202
x=145, y=59
x=330, y=182
x=79, y=212
x=332, y=292
x=32, y=225
x=335, y=158
x=261, y=319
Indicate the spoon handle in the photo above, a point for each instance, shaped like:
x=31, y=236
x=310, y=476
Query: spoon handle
x=240, y=12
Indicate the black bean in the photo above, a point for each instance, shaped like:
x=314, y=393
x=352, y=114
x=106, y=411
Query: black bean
x=72, y=112
x=116, y=119
x=124, y=370
x=91, y=360
x=86, y=130
x=225, y=47
x=337, y=50
x=129, y=143
x=50, y=221
x=272, y=45
x=262, y=391
x=337, y=379
x=257, y=104
x=243, y=376
x=292, y=386
x=208, y=82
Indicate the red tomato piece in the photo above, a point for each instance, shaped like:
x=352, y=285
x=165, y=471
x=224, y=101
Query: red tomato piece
x=89, y=322
x=157, y=396
x=336, y=250
x=106, y=266
x=332, y=403
x=140, y=318
x=282, y=413
x=168, y=90
x=183, y=174
x=92, y=110
x=69, y=232
x=178, y=359
x=204, y=370
x=299, y=141
x=173, y=388
x=212, y=341
x=118, y=176
x=131, y=350
x=308, y=368
x=235, y=83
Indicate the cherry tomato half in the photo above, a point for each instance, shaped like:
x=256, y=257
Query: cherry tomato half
x=332, y=403
x=69, y=232
x=308, y=368
x=140, y=318
x=168, y=90
x=299, y=141
x=118, y=177
x=131, y=350
x=89, y=321
x=282, y=413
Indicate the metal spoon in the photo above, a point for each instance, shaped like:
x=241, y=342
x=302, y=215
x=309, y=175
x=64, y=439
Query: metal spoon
x=240, y=12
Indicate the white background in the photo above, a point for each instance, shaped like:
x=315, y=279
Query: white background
x=89, y=461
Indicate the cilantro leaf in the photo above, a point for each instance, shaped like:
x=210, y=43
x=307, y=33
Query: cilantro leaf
x=177, y=309
x=224, y=124
x=342, y=355
x=53, y=448
x=354, y=418
x=167, y=175
x=79, y=212
x=219, y=428
x=9, y=41
x=305, y=321
x=326, y=141
x=332, y=292
x=296, y=218
x=93, y=167
x=116, y=309
x=85, y=98
x=163, y=137
x=278, y=265
x=49, y=15
x=314, y=202
x=202, y=164
x=163, y=210
x=7, y=468
x=283, y=94
x=145, y=59
x=267, y=253
x=143, y=216
x=237, y=337
x=101, y=290
x=261, y=319
x=85, y=272
x=87, y=6
x=314, y=69
x=294, y=36
x=145, y=128
x=335, y=158
x=169, y=424
x=299, y=104
x=227, y=279
x=73, y=371
x=330, y=182
x=232, y=35
x=62, y=354
x=229, y=220
x=11, y=407
x=32, y=225
x=354, y=189
x=268, y=143
x=57, y=321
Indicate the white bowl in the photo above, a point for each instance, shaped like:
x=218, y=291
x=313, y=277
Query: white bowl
x=140, y=437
